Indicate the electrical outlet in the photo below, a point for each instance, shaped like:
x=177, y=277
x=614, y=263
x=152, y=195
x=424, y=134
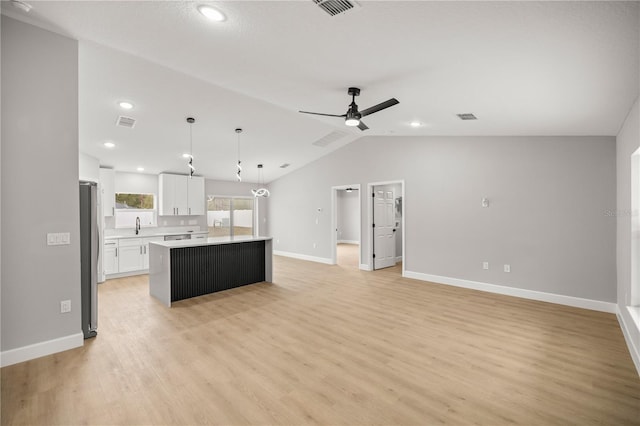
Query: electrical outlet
x=485, y=265
x=507, y=268
x=65, y=306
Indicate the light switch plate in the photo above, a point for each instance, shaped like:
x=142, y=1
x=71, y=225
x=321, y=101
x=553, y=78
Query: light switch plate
x=58, y=238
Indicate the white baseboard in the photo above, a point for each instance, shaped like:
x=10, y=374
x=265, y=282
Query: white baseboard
x=356, y=242
x=398, y=259
x=578, y=302
x=365, y=267
x=126, y=274
x=37, y=350
x=633, y=349
x=303, y=257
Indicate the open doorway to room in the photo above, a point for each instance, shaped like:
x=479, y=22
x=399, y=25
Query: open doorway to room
x=346, y=224
x=386, y=221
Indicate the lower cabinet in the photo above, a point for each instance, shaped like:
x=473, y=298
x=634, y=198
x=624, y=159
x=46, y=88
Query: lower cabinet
x=110, y=257
x=130, y=256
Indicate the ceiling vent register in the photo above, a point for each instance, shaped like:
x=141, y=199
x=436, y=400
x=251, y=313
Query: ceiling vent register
x=467, y=116
x=335, y=7
x=126, y=122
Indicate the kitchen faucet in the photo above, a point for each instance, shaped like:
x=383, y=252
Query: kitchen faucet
x=137, y=224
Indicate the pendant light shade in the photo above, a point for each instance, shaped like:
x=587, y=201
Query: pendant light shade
x=192, y=169
x=261, y=191
x=238, y=166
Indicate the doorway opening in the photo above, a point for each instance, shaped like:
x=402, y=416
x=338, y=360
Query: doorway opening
x=386, y=222
x=346, y=226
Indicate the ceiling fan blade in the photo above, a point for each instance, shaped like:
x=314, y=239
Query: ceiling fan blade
x=386, y=104
x=319, y=113
x=362, y=126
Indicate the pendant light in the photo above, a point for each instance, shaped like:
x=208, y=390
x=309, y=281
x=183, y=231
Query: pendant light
x=192, y=169
x=261, y=191
x=238, y=166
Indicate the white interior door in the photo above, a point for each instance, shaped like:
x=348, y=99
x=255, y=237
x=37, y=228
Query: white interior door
x=384, y=231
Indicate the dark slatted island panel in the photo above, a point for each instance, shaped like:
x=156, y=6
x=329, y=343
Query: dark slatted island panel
x=179, y=270
x=206, y=269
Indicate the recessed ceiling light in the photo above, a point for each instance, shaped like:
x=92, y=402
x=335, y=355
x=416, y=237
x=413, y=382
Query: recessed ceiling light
x=125, y=105
x=109, y=144
x=186, y=155
x=140, y=169
x=210, y=13
x=415, y=124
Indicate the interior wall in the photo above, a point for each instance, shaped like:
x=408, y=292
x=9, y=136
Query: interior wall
x=627, y=142
x=39, y=174
x=546, y=217
x=348, y=220
x=88, y=168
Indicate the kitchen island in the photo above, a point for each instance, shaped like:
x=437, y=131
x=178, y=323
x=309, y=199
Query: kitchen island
x=188, y=268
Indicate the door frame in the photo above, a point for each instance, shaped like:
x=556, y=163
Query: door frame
x=334, y=221
x=370, y=187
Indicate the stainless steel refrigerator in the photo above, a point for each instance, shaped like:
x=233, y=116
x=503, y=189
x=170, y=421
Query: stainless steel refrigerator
x=89, y=254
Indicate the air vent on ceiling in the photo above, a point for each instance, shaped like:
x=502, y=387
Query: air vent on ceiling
x=329, y=138
x=335, y=7
x=126, y=122
x=467, y=116
x=284, y=166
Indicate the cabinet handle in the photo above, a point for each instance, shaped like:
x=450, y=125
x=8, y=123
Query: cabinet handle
x=140, y=249
x=116, y=251
x=113, y=211
x=145, y=249
x=189, y=210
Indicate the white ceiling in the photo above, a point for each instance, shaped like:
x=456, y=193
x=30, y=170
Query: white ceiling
x=523, y=68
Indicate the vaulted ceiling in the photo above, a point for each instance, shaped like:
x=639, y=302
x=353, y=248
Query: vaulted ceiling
x=523, y=68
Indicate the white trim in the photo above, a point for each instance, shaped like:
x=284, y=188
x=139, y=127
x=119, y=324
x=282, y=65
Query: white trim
x=633, y=349
x=37, y=350
x=303, y=257
x=578, y=302
x=365, y=267
x=356, y=242
x=398, y=259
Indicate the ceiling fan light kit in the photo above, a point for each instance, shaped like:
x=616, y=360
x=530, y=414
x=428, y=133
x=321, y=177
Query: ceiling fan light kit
x=352, y=117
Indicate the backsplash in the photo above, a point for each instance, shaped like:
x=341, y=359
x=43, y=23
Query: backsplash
x=166, y=224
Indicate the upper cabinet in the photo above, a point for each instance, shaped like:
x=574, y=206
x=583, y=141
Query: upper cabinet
x=108, y=194
x=180, y=195
x=195, y=199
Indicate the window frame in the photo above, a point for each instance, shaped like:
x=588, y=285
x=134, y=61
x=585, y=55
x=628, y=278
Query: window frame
x=153, y=211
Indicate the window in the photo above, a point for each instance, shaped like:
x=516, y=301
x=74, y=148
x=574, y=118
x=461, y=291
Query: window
x=230, y=216
x=131, y=206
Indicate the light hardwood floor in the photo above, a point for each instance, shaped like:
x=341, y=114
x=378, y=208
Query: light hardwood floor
x=332, y=345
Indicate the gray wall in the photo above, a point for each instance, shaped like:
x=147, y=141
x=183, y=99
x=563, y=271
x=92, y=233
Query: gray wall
x=627, y=143
x=39, y=184
x=347, y=217
x=547, y=218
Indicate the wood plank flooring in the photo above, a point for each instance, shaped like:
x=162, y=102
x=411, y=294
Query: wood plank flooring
x=332, y=345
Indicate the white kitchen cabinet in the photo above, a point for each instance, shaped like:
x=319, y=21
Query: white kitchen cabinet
x=195, y=196
x=173, y=195
x=130, y=257
x=107, y=189
x=180, y=195
x=145, y=249
x=110, y=257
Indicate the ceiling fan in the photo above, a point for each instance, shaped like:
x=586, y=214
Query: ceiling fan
x=353, y=116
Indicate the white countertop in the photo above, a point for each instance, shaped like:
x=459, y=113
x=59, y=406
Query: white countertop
x=211, y=241
x=156, y=234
